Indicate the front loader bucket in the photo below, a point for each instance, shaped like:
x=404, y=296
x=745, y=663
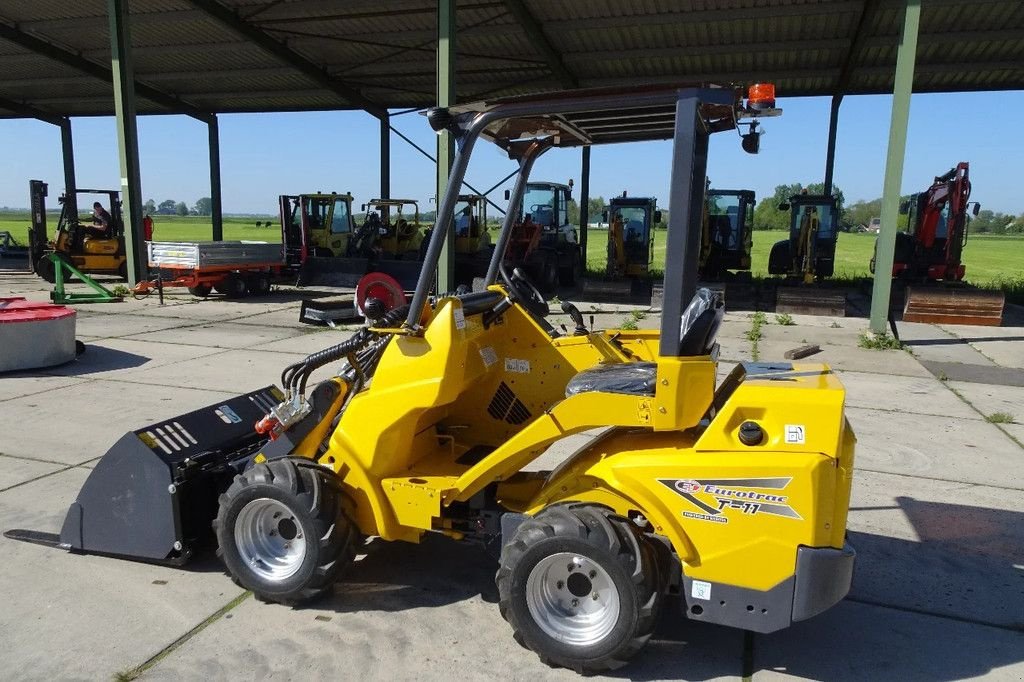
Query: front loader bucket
x=333, y=272
x=154, y=494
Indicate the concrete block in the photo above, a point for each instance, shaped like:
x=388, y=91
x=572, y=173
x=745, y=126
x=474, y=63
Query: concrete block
x=990, y=399
x=234, y=372
x=966, y=450
x=221, y=335
x=863, y=642
x=87, y=423
x=16, y=470
x=17, y=384
x=917, y=395
x=938, y=547
x=69, y=616
x=423, y=611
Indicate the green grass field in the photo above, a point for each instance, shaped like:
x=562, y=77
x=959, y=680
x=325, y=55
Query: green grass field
x=991, y=260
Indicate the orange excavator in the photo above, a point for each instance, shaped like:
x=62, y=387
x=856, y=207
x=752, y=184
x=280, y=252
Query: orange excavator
x=930, y=253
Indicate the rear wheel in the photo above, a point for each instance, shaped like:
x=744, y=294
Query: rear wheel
x=580, y=586
x=258, y=285
x=46, y=270
x=231, y=286
x=200, y=290
x=282, y=531
x=569, y=275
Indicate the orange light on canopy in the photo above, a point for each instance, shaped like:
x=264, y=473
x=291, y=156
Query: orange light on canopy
x=761, y=95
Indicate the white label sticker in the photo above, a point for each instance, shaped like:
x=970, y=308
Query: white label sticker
x=701, y=590
x=488, y=355
x=460, y=318
x=516, y=365
x=795, y=434
x=227, y=415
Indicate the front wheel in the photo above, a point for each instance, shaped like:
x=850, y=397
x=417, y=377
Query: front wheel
x=580, y=587
x=282, y=531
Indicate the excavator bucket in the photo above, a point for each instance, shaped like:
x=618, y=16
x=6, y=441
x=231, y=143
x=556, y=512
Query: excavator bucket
x=811, y=301
x=954, y=306
x=153, y=495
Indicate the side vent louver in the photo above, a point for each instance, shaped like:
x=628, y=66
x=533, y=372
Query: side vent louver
x=505, y=406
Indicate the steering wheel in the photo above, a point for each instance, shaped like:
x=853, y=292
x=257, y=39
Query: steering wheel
x=524, y=292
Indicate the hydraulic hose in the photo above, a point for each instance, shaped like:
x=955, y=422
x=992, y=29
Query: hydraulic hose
x=298, y=376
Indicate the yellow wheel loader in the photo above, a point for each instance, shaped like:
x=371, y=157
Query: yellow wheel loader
x=731, y=498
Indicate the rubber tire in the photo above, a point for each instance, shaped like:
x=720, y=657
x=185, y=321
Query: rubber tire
x=231, y=286
x=315, y=496
x=47, y=270
x=201, y=290
x=547, y=272
x=122, y=270
x=257, y=285
x=568, y=277
x=613, y=542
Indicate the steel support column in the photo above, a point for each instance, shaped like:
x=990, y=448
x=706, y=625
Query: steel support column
x=385, y=156
x=584, y=201
x=68, y=152
x=216, y=212
x=445, y=140
x=127, y=138
x=903, y=85
x=830, y=155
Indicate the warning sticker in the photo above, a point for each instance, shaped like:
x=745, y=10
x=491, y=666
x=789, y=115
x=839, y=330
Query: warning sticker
x=488, y=355
x=460, y=318
x=700, y=590
x=795, y=434
x=517, y=366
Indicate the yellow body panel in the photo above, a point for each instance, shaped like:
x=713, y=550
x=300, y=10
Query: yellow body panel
x=463, y=407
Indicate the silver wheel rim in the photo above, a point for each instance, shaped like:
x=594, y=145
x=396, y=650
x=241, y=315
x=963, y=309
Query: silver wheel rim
x=270, y=539
x=572, y=599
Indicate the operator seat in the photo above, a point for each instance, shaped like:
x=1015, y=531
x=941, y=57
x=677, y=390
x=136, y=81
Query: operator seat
x=697, y=331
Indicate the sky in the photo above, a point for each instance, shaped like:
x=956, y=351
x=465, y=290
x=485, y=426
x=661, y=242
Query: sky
x=264, y=155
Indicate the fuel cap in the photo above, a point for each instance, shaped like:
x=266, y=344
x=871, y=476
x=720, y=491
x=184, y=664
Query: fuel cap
x=751, y=433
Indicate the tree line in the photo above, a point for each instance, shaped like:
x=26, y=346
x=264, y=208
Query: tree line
x=202, y=207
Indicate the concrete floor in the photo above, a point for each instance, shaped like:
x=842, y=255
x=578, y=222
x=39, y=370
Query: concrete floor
x=936, y=517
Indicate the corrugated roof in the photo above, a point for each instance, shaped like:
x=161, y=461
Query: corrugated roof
x=380, y=53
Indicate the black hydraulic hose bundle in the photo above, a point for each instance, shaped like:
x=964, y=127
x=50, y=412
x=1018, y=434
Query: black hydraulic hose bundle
x=364, y=359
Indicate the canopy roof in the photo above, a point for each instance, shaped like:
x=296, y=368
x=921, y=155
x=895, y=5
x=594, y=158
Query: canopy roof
x=203, y=56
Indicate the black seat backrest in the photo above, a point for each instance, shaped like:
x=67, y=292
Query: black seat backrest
x=700, y=322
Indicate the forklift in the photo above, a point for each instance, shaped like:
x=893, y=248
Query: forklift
x=92, y=250
x=727, y=237
x=731, y=498
x=390, y=237
x=631, y=236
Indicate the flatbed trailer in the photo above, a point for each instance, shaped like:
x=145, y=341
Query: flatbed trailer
x=234, y=268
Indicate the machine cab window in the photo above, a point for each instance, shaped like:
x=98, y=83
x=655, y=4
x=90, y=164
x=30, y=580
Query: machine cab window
x=723, y=214
x=318, y=212
x=539, y=205
x=340, y=221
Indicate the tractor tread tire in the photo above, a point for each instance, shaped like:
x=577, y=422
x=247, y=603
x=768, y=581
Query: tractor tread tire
x=311, y=489
x=618, y=540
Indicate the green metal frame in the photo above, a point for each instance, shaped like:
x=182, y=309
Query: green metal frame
x=445, y=140
x=59, y=295
x=902, y=87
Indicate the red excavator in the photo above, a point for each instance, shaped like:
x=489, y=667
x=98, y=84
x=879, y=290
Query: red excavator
x=931, y=249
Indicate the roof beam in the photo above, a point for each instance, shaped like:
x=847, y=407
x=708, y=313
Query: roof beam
x=232, y=20
x=869, y=8
x=27, y=111
x=535, y=32
x=75, y=61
